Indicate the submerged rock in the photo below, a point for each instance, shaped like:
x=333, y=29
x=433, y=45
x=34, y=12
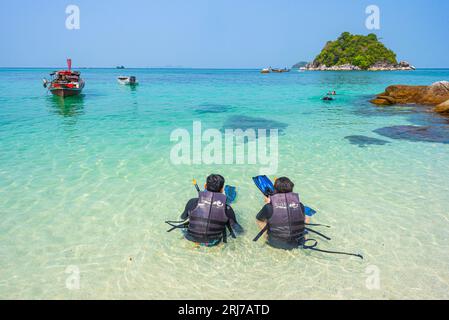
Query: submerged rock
x=432, y=95
x=363, y=141
x=438, y=134
x=212, y=108
x=245, y=123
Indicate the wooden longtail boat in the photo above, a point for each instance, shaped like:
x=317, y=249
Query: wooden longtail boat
x=65, y=83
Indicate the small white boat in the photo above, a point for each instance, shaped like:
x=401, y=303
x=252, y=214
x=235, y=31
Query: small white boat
x=131, y=80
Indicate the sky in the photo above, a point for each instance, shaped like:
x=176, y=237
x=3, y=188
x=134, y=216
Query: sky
x=212, y=33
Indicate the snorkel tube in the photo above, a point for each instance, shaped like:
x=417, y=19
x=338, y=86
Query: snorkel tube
x=196, y=185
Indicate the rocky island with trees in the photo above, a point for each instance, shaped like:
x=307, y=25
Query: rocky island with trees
x=356, y=52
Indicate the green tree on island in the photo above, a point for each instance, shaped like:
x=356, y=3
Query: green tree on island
x=358, y=50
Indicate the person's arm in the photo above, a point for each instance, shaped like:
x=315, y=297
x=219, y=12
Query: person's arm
x=191, y=204
x=306, y=218
x=263, y=215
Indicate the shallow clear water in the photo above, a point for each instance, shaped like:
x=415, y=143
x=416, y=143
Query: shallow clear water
x=87, y=182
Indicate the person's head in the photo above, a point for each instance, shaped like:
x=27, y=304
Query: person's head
x=215, y=183
x=283, y=185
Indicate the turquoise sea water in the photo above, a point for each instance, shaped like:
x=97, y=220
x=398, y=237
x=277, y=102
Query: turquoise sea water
x=86, y=184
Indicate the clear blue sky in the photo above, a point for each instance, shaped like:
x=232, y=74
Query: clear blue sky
x=212, y=33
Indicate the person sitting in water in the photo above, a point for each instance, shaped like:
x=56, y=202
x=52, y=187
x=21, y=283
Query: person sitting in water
x=209, y=215
x=283, y=216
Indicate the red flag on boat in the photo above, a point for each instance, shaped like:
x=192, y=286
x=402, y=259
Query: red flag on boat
x=69, y=64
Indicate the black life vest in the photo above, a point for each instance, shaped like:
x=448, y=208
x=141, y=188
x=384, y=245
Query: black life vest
x=287, y=223
x=208, y=221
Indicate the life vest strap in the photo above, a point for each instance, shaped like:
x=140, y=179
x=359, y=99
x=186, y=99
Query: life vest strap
x=183, y=225
x=317, y=225
x=318, y=233
x=260, y=234
x=221, y=223
x=283, y=224
x=335, y=252
x=213, y=236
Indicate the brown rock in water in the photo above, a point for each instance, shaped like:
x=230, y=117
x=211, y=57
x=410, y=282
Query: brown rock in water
x=442, y=107
x=382, y=101
x=434, y=94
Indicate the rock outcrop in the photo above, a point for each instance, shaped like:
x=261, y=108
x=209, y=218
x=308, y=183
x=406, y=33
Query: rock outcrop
x=442, y=107
x=379, y=66
x=343, y=67
x=436, y=94
x=383, y=66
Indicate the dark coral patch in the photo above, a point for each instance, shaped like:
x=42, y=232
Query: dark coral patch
x=245, y=123
x=363, y=141
x=437, y=134
x=212, y=108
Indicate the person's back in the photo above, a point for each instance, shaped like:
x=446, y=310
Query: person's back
x=283, y=216
x=207, y=222
x=209, y=215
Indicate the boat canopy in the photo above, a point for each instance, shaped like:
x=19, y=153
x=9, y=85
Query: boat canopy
x=65, y=73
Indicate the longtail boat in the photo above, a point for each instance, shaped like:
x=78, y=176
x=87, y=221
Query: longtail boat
x=65, y=83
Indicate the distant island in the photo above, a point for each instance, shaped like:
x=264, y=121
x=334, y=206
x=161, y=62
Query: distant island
x=301, y=64
x=355, y=52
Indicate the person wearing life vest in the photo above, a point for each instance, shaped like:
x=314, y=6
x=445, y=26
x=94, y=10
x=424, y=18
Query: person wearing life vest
x=283, y=217
x=209, y=216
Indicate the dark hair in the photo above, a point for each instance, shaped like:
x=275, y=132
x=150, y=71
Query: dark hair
x=215, y=183
x=283, y=185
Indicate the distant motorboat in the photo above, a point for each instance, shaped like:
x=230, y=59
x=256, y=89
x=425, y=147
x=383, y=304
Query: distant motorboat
x=120, y=67
x=265, y=70
x=128, y=80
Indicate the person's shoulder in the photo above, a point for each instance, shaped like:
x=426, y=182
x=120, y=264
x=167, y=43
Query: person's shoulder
x=265, y=212
x=193, y=201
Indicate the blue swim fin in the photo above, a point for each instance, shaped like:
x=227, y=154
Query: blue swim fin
x=231, y=194
x=264, y=184
x=309, y=212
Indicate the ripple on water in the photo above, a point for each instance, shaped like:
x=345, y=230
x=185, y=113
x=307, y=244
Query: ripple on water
x=94, y=194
